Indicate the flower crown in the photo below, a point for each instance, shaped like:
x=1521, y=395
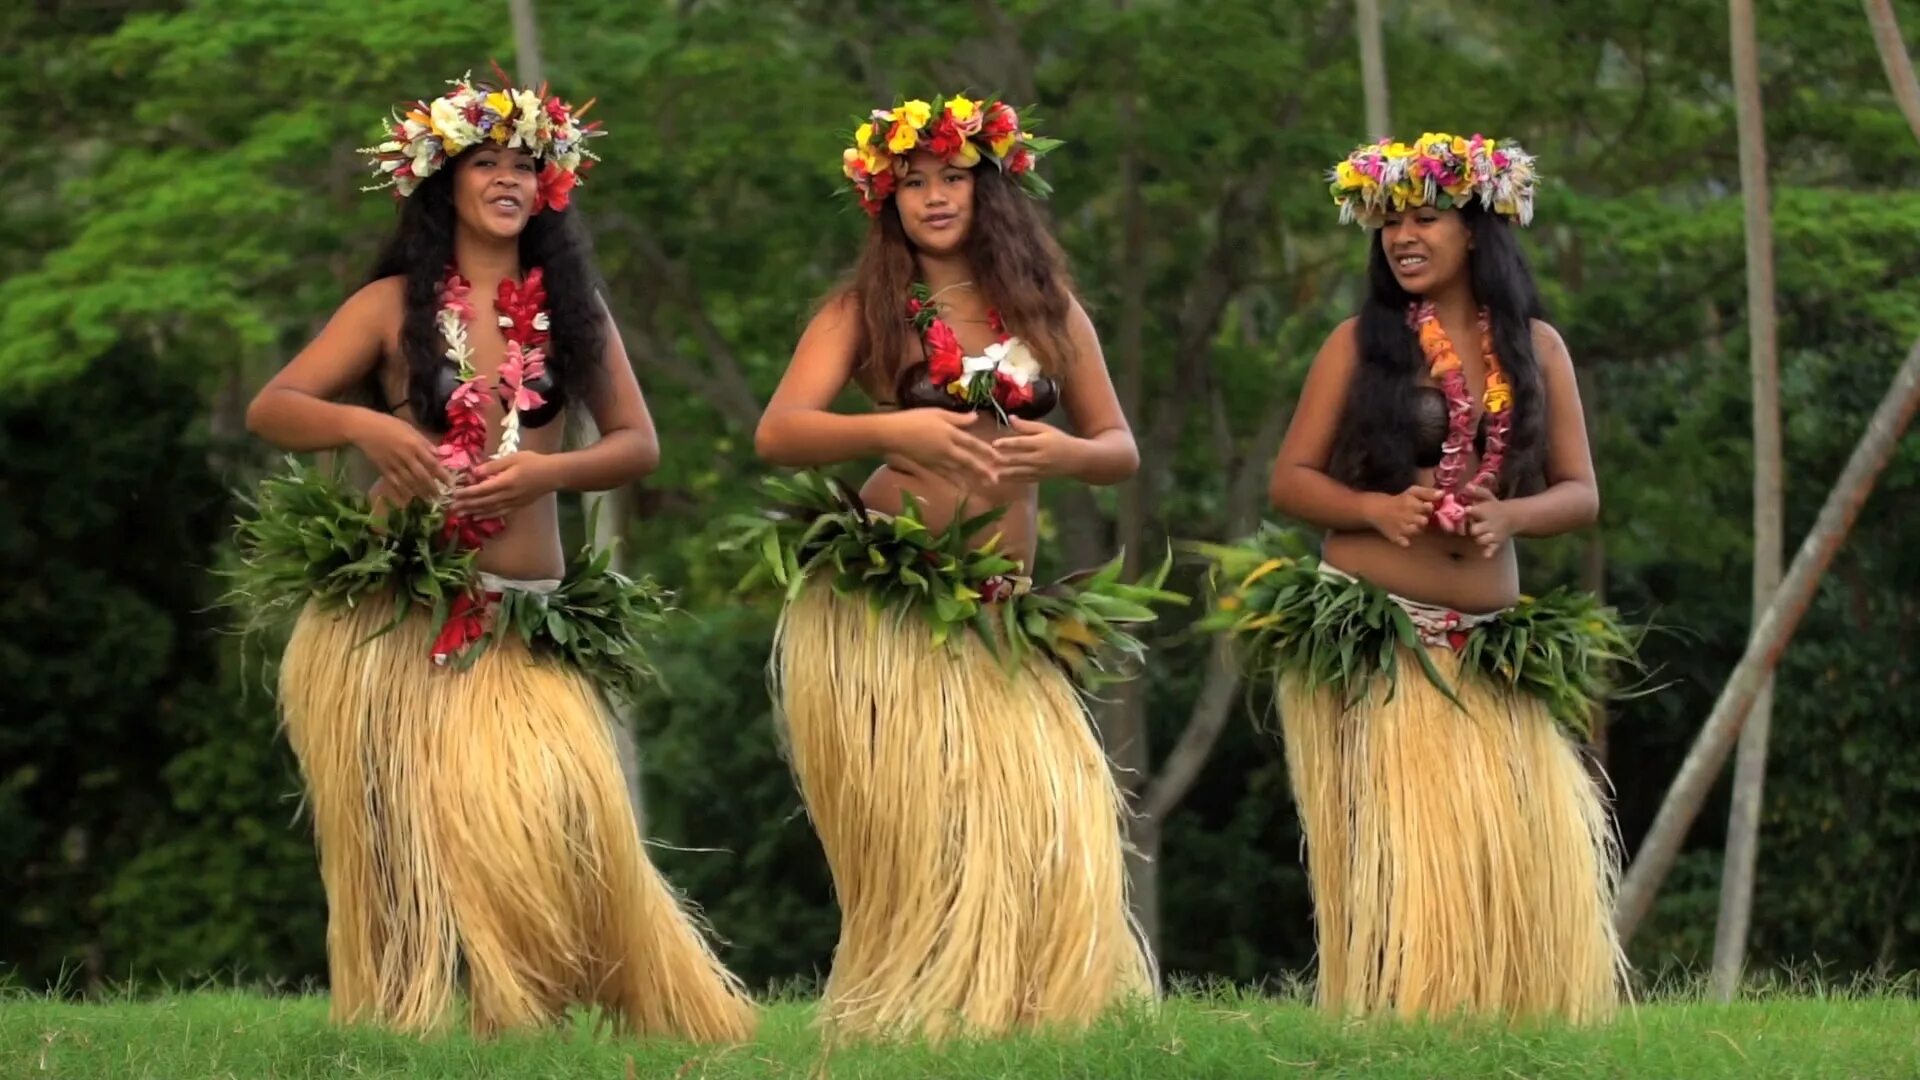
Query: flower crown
x=1442, y=171
x=963, y=132
x=424, y=136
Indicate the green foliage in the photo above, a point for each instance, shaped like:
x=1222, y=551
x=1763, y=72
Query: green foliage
x=1340, y=633
x=1084, y=622
x=309, y=537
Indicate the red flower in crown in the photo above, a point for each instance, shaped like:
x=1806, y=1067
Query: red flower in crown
x=1001, y=120
x=556, y=188
x=946, y=140
x=1021, y=161
x=944, y=354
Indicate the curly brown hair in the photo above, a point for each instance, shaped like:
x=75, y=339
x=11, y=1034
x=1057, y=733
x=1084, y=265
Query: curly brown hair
x=1017, y=265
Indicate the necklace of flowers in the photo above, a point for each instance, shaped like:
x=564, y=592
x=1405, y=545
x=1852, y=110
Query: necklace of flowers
x=1002, y=377
x=1443, y=363
x=521, y=309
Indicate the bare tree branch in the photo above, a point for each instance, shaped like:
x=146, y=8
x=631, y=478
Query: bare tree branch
x=1710, y=748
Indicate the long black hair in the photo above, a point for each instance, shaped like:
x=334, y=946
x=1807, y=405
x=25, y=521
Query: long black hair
x=420, y=249
x=1376, y=446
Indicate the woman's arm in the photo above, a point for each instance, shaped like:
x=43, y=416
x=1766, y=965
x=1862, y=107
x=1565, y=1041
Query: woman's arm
x=1300, y=486
x=1103, y=452
x=797, y=428
x=626, y=450
x=294, y=411
x=1572, y=497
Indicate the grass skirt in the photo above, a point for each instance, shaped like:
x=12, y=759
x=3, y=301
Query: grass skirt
x=1460, y=860
x=478, y=819
x=971, y=822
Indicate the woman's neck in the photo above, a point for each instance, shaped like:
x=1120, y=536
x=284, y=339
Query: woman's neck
x=485, y=261
x=1454, y=302
x=944, y=272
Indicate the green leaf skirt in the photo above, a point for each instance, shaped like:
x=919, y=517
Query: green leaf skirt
x=1087, y=622
x=307, y=537
x=1296, y=617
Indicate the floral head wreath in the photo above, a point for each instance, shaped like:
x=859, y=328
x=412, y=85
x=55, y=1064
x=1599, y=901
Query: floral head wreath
x=1443, y=171
x=424, y=135
x=964, y=132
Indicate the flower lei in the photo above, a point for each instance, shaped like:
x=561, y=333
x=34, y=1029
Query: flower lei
x=963, y=133
x=424, y=137
x=1440, y=170
x=1444, y=365
x=1001, y=377
x=521, y=308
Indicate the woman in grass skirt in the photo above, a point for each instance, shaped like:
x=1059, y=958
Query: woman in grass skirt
x=443, y=685
x=1460, y=854
x=927, y=692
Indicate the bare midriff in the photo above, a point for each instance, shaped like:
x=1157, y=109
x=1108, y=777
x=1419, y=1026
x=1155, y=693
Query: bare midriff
x=528, y=549
x=1438, y=568
x=941, y=502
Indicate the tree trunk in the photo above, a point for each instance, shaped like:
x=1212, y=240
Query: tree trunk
x=1709, y=752
x=1893, y=57
x=1750, y=766
x=1373, y=68
x=527, y=68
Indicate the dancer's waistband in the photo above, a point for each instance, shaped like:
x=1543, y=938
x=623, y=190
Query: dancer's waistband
x=494, y=583
x=1433, y=622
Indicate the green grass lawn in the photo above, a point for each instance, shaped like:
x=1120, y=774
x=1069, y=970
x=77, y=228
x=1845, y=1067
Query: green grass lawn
x=252, y=1037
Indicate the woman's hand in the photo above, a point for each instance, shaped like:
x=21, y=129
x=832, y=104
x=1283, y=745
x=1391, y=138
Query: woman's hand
x=938, y=441
x=1039, y=451
x=409, y=468
x=1401, y=517
x=1490, y=521
x=503, y=485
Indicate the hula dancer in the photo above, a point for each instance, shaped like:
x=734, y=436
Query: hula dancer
x=927, y=691
x=1460, y=855
x=443, y=683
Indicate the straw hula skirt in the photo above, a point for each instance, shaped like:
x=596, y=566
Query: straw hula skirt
x=1460, y=854
x=479, y=819
x=930, y=705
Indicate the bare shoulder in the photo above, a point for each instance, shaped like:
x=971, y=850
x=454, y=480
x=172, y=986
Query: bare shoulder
x=840, y=309
x=1341, y=351
x=1549, y=348
x=380, y=304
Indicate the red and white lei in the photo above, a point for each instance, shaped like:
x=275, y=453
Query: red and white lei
x=521, y=309
x=1003, y=376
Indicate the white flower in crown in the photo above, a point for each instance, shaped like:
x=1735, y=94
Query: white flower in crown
x=451, y=123
x=527, y=117
x=1013, y=357
x=540, y=322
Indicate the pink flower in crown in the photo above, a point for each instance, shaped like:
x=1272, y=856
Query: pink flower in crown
x=518, y=369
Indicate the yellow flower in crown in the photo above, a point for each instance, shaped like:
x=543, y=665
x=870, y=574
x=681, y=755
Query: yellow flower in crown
x=917, y=112
x=962, y=131
x=421, y=137
x=1439, y=169
x=965, y=113
x=903, y=136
